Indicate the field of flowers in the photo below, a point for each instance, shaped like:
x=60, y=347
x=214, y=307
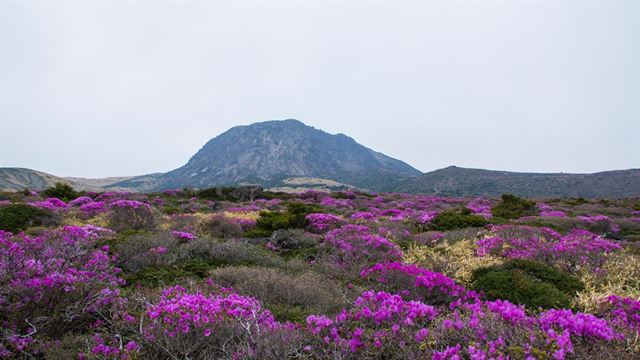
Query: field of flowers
x=219, y=274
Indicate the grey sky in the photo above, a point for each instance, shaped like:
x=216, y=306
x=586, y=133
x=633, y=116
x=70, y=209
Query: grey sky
x=124, y=88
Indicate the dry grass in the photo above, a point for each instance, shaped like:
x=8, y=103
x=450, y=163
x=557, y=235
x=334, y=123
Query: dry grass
x=620, y=276
x=457, y=260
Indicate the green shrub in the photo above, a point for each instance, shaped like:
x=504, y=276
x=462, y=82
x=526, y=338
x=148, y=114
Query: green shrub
x=513, y=207
x=450, y=220
x=18, y=217
x=293, y=217
x=61, y=191
x=217, y=193
x=172, y=210
x=526, y=282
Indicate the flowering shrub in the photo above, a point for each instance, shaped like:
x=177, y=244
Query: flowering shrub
x=183, y=236
x=480, y=207
x=576, y=249
x=354, y=245
x=624, y=312
x=52, y=282
x=577, y=324
x=363, y=216
x=319, y=222
x=49, y=204
x=80, y=201
x=417, y=283
x=547, y=211
x=500, y=329
x=91, y=209
x=426, y=217
x=112, y=348
x=188, y=325
x=378, y=324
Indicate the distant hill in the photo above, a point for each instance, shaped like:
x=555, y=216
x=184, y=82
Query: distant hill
x=16, y=179
x=271, y=151
x=456, y=181
x=288, y=155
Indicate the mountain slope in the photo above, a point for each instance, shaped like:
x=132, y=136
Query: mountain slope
x=455, y=181
x=17, y=179
x=274, y=150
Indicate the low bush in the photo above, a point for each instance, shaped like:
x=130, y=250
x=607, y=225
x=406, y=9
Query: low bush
x=220, y=226
x=141, y=250
x=231, y=252
x=529, y=283
x=194, y=260
x=293, y=239
x=293, y=217
x=131, y=215
x=514, y=207
x=17, y=217
x=450, y=220
x=290, y=296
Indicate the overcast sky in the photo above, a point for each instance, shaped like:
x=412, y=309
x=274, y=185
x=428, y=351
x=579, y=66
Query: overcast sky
x=106, y=88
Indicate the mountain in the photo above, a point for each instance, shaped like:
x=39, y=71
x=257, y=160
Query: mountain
x=288, y=155
x=269, y=152
x=456, y=181
x=15, y=179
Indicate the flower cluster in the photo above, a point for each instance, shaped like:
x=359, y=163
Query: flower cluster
x=417, y=283
x=320, y=222
x=80, y=201
x=480, y=207
x=129, y=204
x=183, y=236
x=623, y=312
x=113, y=349
x=356, y=244
x=50, y=204
x=578, y=248
x=378, y=320
x=577, y=324
x=59, y=269
x=179, y=313
x=93, y=208
x=546, y=210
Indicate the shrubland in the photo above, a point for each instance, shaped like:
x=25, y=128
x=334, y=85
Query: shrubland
x=239, y=273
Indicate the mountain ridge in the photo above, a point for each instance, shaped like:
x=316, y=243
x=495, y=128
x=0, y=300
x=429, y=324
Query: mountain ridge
x=271, y=153
x=457, y=181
